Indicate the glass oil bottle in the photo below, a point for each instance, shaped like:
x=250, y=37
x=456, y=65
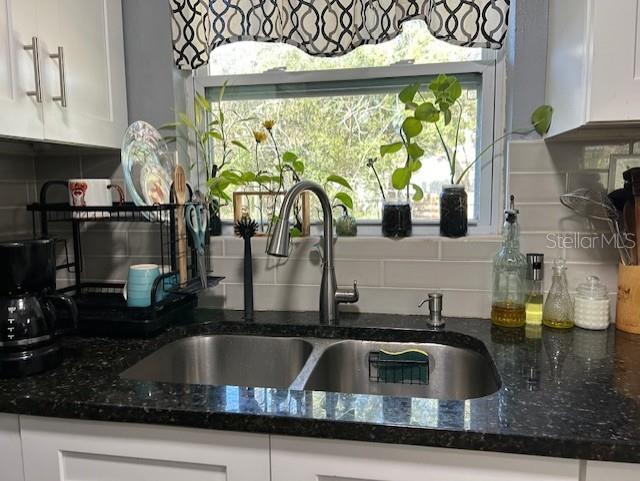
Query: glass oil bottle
x=534, y=302
x=558, y=309
x=509, y=272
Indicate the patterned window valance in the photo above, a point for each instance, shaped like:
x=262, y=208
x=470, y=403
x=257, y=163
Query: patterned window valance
x=329, y=27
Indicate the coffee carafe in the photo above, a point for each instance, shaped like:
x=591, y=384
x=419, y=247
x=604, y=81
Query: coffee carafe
x=29, y=330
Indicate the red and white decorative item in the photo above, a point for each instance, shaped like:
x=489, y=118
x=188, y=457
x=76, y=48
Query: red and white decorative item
x=92, y=193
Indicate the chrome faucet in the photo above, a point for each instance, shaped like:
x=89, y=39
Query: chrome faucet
x=330, y=294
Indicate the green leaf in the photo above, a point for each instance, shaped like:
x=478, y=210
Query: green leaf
x=410, y=106
x=390, y=148
x=418, y=193
x=447, y=117
x=240, y=144
x=345, y=199
x=214, y=134
x=401, y=178
x=411, y=127
x=541, y=119
x=427, y=112
x=263, y=179
x=408, y=93
x=289, y=157
x=454, y=90
x=248, y=177
x=415, y=166
x=336, y=179
x=415, y=151
x=203, y=103
x=298, y=166
x=186, y=121
x=295, y=232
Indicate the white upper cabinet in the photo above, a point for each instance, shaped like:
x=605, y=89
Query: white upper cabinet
x=593, y=67
x=79, y=67
x=20, y=107
x=83, y=72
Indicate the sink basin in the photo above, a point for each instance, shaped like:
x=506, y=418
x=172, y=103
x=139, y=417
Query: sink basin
x=225, y=359
x=454, y=372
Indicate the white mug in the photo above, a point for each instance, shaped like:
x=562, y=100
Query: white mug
x=92, y=192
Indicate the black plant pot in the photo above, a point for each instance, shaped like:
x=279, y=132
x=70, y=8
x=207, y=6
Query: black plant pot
x=396, y=220
x=453, y=211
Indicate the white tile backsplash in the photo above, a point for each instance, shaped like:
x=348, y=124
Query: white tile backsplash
x=395, y=275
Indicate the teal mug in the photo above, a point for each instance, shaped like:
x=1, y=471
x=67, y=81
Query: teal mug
x=137, y=290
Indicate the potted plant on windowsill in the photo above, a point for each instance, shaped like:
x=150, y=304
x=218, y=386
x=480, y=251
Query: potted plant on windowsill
x=396, y=212
x=446, y=92
x=208, y=129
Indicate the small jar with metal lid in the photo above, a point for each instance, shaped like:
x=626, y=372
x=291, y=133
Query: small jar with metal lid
x=592, y=305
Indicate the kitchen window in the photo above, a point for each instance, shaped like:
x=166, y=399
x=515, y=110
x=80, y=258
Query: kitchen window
x=336, y=112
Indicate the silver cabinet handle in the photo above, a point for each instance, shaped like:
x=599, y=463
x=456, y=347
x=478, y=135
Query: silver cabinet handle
x=35, y=47
x=62, y=98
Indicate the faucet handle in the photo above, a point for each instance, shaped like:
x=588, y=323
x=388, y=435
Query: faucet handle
x=435, y=320
x=346, y=295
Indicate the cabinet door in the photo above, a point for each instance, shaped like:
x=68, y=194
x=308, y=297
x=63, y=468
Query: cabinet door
x=66, y=450
x=10, y=450
x=89, y=35
x=294, y=459
x=21, y=113
x=601, y=471
x=615, y=76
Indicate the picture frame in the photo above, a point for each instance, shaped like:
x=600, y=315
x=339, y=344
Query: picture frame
x=618, y=164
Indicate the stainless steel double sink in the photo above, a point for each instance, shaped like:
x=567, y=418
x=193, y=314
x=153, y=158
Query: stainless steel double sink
x=314, y=364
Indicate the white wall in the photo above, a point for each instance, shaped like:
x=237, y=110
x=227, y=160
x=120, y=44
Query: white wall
x=394, y=275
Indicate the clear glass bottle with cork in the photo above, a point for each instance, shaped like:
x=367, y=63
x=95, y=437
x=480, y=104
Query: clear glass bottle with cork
x=509, y=272
x=535, y=298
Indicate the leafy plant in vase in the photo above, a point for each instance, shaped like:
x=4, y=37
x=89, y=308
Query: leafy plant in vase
x=445, y=111
x=208, y=129
x=346, y=224
x=396, y=213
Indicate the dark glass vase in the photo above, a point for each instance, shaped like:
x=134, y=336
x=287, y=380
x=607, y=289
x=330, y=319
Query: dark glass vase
x=215, y=223
x=396, y=219
x=453, y=211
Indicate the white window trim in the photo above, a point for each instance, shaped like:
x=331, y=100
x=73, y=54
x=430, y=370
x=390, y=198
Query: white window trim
x=492, y=68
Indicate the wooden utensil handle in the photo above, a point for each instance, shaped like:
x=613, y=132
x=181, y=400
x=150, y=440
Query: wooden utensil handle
x=182, y=245
x=637, y=232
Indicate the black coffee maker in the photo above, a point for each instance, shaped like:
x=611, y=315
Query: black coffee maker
x=29, y=331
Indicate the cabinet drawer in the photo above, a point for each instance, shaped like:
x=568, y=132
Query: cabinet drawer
x=304, y=459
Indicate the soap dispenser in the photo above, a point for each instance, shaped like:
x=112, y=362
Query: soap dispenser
x=509, y=275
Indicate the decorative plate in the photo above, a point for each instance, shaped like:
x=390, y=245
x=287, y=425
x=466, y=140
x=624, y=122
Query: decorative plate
x=147, y=166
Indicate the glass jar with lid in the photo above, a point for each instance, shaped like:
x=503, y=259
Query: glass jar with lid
x=592, y=305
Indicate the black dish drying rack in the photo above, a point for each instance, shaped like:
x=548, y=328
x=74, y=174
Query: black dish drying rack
x=102, y=308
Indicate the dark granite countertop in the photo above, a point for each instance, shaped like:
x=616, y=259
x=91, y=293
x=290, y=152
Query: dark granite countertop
x=572, y=394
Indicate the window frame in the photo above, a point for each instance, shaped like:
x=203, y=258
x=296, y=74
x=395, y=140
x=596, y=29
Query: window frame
x=491, y=102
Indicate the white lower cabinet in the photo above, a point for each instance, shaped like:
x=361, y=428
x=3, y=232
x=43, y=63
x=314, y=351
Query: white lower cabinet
x=302, y=459
x=10, y=451
x=72, y=450
x=68, y=450
x=601, y=471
